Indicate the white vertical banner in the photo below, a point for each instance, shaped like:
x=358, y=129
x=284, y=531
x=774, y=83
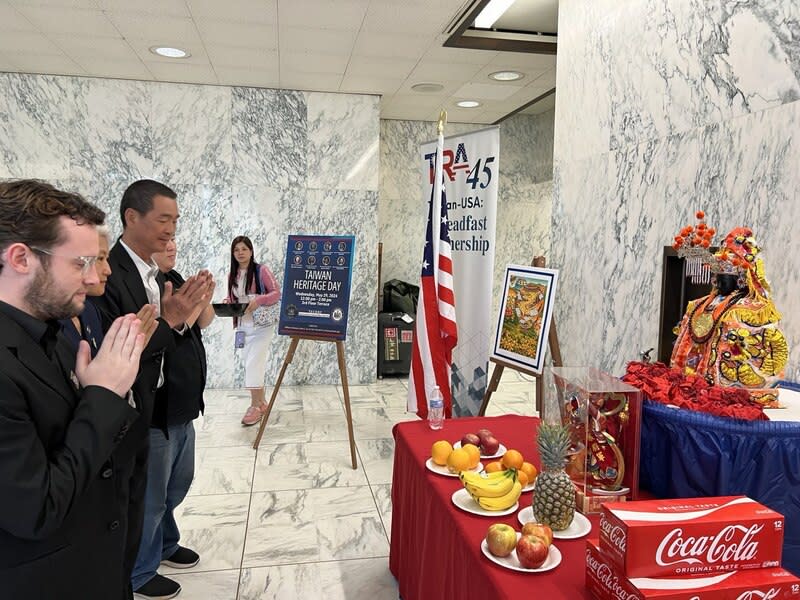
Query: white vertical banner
x=471, y=168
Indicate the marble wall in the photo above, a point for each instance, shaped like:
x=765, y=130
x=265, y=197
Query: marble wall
x=523, y=203
x=665, y=108
x=259, y=162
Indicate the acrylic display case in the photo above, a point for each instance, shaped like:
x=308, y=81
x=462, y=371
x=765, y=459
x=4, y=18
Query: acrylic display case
x=604, y=417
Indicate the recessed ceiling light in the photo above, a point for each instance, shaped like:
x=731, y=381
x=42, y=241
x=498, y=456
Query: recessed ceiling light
x=170, y=52
x=506, y=75
x=427, y=88
x=468, y=103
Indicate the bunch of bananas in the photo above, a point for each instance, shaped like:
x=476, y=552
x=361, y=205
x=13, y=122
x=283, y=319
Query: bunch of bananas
x=493, y=491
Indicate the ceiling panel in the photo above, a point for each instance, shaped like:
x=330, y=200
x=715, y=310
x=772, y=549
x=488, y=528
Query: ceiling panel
x=264, y=12
x=106, y=48
x=12, y=20
x=52, y=64
x=236, y=57
x=167, y=30
x=391, y=45
x=245, y=35
x=248, y=76
x=328, y=41
x=322, y=82
x=323, y=14
x=486, y=91
x=28, y=42
x=118, y=69
x=370, y=85
x=306, y=62
x=183, y=73
x=48, y=19
x=66, y=3
x=171, y=8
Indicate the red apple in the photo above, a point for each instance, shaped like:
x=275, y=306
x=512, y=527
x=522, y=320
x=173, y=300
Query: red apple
x=539, y=530
x=490, y=445
x=483, y=434
x=470, y=438
x=501, y=539
x=532, y=551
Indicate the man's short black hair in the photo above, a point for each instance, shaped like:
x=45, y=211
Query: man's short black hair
x=139, y=196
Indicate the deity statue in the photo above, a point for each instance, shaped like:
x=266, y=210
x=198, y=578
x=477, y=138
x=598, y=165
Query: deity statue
x=731, y=336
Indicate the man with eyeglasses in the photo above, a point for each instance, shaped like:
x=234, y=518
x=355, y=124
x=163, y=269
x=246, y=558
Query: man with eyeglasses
x=149, y=213
x=61, y=417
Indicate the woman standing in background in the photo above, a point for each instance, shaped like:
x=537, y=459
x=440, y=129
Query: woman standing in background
x=252, y=284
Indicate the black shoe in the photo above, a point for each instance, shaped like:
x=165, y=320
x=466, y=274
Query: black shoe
x=158, y=588
x=182, y=558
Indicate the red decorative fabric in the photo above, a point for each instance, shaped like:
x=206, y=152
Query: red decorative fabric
x=435, y=547
x=670, y=386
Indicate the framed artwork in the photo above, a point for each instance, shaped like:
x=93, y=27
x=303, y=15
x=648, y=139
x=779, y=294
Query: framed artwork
x=524, y=320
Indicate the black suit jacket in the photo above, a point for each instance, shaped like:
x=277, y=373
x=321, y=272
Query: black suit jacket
x=62, y=529
x=125, y=294
x=184, y=370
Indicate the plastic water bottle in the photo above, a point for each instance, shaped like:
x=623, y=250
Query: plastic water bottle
x=436, y=409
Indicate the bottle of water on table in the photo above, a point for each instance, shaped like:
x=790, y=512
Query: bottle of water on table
x=436, y=409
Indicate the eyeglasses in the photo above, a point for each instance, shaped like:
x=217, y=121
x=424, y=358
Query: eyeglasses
x=86, y=263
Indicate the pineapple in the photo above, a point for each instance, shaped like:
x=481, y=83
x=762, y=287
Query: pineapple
x=554, y=497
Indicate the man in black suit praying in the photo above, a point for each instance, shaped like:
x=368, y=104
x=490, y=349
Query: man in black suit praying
x=62, y=532
x=149, y=212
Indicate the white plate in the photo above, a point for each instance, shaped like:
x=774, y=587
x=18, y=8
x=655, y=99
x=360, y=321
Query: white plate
x=464, y=501
x=529, y=487
x=512, y=562
x=443, y=470
x=500, y=451
x=579, y=527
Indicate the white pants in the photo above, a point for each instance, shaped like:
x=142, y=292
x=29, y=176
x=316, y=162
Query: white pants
x=254, y=353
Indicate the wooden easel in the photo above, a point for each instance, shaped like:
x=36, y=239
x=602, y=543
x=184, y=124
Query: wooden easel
x=500, y=364
x=342, y=372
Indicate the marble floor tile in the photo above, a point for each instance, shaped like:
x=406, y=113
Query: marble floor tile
x=377, y=458
x=288, y=527
x=383, y=498
x=226, y=402
x=367, y=579
x=223, y=430
x=208, y=585
x=306, y=466
x=225, y=470
x=214, y=527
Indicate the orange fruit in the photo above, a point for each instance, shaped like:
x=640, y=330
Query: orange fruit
x=459, y=460
x=512, y=459
x=494, y=466
x=440, y=451
x=529, y=470
x=522, y=477
x=474, y=454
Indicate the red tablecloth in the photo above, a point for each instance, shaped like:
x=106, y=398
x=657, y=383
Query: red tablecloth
x=435, y=549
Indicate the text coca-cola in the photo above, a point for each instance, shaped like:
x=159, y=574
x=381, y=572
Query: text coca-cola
x=607, y=582
x=691, y=536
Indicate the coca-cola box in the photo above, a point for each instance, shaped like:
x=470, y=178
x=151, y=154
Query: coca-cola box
x=691, y=536
x=607, y=582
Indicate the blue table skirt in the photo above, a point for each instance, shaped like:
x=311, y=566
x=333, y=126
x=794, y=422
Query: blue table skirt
x=687, y=454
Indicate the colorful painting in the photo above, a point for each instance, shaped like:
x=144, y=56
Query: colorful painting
x=524, y=321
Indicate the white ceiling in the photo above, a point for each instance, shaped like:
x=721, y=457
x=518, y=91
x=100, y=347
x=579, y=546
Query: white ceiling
x=365, y=46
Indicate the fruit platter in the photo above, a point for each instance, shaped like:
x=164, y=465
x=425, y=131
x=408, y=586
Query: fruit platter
x=484, y=439
x=530, y=550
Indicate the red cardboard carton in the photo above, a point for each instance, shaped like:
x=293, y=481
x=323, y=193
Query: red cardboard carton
x=691, y=536
x=607, y=582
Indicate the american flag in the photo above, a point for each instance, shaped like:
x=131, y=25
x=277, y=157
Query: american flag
x=436, y=333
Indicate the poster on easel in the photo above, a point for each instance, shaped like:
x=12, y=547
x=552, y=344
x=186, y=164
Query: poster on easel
x=523, y=324
x=316, y=286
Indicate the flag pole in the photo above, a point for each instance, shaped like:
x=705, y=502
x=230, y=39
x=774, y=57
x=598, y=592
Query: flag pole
x=436, y=215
